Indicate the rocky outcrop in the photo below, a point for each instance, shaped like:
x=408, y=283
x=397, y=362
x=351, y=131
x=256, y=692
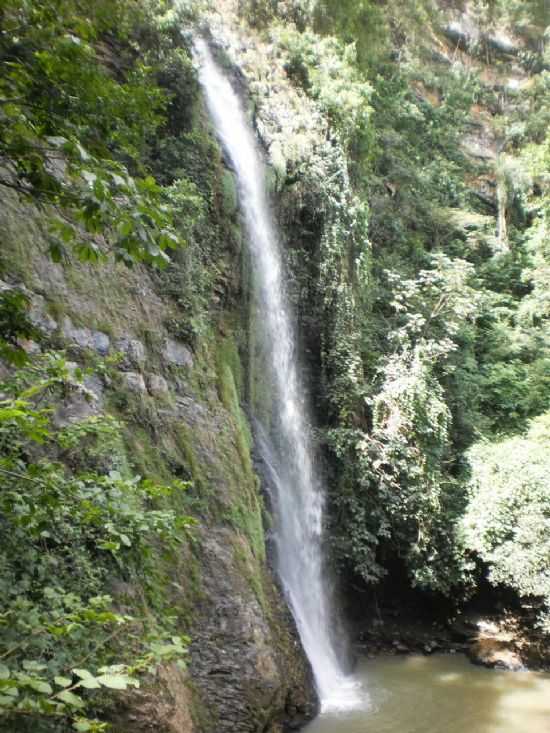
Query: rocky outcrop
x=497, y=653
x=246, y=672
x=246, y=660
x=499, y=642
x=165, y=704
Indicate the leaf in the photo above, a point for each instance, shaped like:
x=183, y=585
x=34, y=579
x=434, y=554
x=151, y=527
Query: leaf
x=7, y=413
x=41, y=686
x=90, y=683
x=117, y=681
x=87, y=679
x=84, y=155
x=118, y=181
x=57, y=140
x=125, y=228
x=56, y=250
x=62, y=681
x=9, y=687
x=70, y=698
x=4, y=672
x=31, y=666
x=106, y=545
x=82, y=726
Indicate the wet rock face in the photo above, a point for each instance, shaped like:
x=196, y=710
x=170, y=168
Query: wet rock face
x=246, y=661
x=247, y=670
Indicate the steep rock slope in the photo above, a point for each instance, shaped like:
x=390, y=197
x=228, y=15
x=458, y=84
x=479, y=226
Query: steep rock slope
x=179, y=392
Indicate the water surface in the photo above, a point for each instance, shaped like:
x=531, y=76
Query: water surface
x=442, y=694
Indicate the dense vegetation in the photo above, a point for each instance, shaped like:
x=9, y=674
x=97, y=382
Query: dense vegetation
x=435, y=341
x=86, y=90
x=74, y=517
x=420, y=272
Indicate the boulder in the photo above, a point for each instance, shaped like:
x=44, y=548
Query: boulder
x=134, y=381
x=400, y=648
x=80, y=336
x=157, y=385
x=177, y=354
x=430, y=647
x=85, y=338
x=133, y=351
x=39, y=317
x=101, y=342
x=490, y=652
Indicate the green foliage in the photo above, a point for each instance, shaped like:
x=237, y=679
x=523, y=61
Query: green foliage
x=515, y=325
x=94, y=442
x=403, y=497
x=326, y=69
x=434, y=305
x=69, y=526
x=373, y=26
x=263, y=12
x=363, y=23
x=15, y=326
x=77, y=125
x=396, y=497
x=506, y=520
x=520, y=13
x=411, y=438
x=433, y=329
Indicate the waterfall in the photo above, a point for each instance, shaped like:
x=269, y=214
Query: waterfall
x=287, y=451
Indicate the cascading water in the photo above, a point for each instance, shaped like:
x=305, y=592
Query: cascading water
x=289, y=455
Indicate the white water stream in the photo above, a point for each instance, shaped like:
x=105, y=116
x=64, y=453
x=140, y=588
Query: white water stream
x=289, y=454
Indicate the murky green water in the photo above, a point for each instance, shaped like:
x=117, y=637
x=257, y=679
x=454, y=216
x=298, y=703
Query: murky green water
x=442, y=694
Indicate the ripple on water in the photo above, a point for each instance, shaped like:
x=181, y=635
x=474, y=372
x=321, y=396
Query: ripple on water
x=350, y=695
